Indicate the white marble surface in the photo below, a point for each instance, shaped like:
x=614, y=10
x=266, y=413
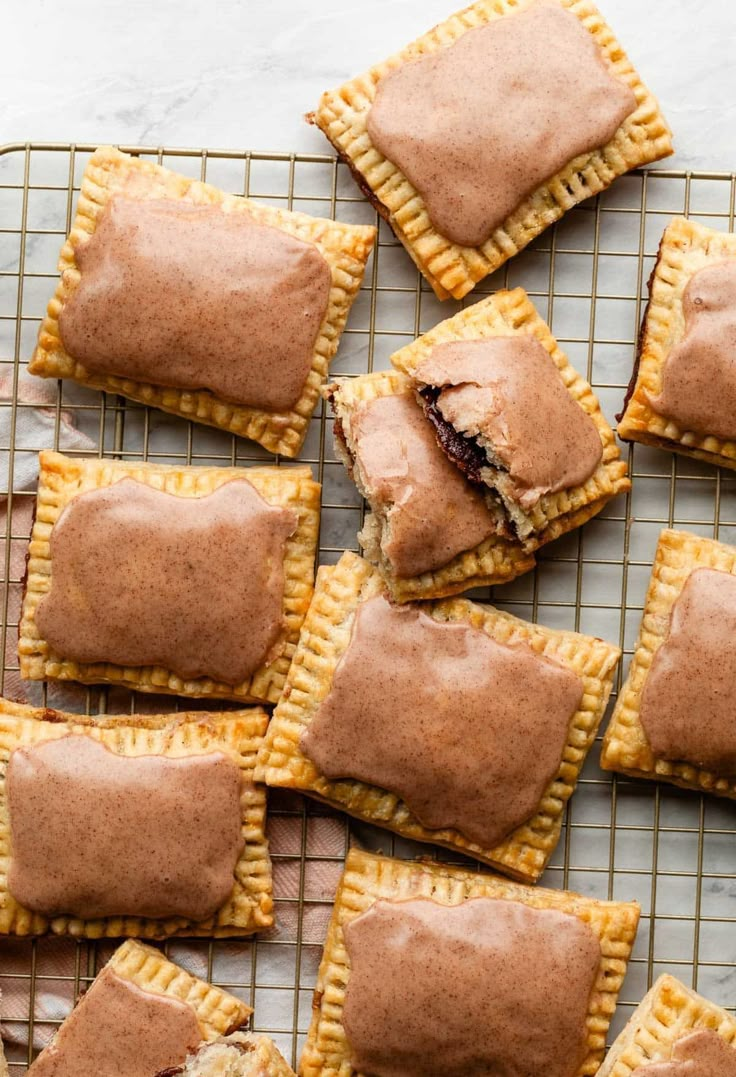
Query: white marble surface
x=241, y=73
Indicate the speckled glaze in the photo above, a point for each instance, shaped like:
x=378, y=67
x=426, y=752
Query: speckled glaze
x=120, y=1031
x=687, y=705
x=142, y=577
x=473, y=990
x=467, y=731
x=197, y=298
x=509, y=391
x=476, y=127
x=97, y=834
x=433, y=512
x=699, y=378
x=702, y=1053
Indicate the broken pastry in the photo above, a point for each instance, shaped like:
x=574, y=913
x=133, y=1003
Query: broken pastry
x=430, y=530
x=138, y=824
x=673, y=718
x=514, y=415
x=674, y=1032
x=204, y=304
x=481, y=133
x=240, y=1055
x=142, y=1014
x=190, y=580
x=682, y=395
x=434, y=971
x=450, y=722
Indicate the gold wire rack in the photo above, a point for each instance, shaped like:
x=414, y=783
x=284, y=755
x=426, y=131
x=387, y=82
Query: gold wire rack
x=673, y=851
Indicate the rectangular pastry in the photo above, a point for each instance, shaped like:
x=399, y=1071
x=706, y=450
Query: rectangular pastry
x=147, y=825
x=450, y=723
x=430, y=970
x=481, y=133
x=682, y=394
x=673, y=718
x=514, y=415
x=430, y=530
x=674, y=1032
x=189, y=580
x=141, y=1015
x=240, y=1055
x=205, y=304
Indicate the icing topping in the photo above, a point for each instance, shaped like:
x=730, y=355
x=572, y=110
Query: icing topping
x=119, y=1030
x=699, y=376
x=432, y=512
x=469, y=732
x=687, y=705
x=479, y=125
x=94, y=833
x=702, y=1053
x=142, y=577
x=196, y=297
x=486, y=987
x=508, y=393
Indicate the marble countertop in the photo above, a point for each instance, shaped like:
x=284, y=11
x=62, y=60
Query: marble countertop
x=172, y=72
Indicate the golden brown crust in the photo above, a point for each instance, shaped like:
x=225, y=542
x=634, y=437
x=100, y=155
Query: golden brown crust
x=495, y=560
x=369, y=878
x=62, y=478
x=345, y=247
x=511, y=313
x=216, y=1011
x=237, y=733
x=686, y=248
x=453, y=270
x=625, y=746
x=667, y=1012
x=324, y=639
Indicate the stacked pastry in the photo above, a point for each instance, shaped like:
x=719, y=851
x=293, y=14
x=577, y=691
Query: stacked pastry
x=444, y=720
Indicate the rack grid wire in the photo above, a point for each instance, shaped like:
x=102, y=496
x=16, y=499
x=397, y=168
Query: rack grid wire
x=673, y=851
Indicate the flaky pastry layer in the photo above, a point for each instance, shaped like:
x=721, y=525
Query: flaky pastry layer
x=240, y=1055
x=325, y=638
x=62, y=478
x=452, y=270
x=345, y=247
x=625, y=745
x=667, y=1012
x=686, y=248
x=495, y=560
x=511, y=313
x=238, y=734
x=370, y=878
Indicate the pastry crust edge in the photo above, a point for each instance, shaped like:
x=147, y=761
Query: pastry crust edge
x=325, y=637
x=61, y=478
x=450, y=269
x=368, y=878
x=345, y=248
x=237, y=733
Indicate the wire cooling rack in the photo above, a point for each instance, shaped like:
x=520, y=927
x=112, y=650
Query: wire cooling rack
x=673, y=851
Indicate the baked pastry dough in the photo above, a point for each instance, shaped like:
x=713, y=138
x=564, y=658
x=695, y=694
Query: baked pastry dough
x=667, y=1013
x=345, y=247
x=236, y=733
x=452, y=270
x=494, y=560
x=217, y=1012
x=511, y=313
x=325, y=638
x=369, y=878
x=625, y=744
x=61, y=479
x=239, y=1055
x=686, y=248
